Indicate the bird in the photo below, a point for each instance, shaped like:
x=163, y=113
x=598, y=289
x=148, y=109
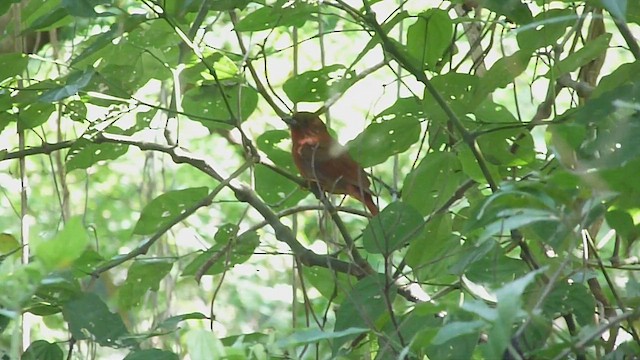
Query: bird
x=323, y=161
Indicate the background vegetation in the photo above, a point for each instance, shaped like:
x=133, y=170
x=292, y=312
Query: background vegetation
x=150, y=209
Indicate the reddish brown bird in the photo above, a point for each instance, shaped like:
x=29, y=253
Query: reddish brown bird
x=322, y=160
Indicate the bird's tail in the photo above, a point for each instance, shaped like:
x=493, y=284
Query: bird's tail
x=364, y=196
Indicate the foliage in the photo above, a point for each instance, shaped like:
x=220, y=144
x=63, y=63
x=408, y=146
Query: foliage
x=147, y=181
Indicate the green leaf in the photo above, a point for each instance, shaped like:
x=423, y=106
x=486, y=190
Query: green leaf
x=327, y=281
x=502, y=73
x=282, y=13
x=65, y=247
x=574, y=299
x=617, y=8
x=514, y=10
x=204, y=345
x=143, y=276
x=12, y=64
x=76, y=81
x=50, y=20
x=84, y=153
x=509, y=309
x=42, y=350
x=224, y=256
x=34, y=115
x=8, y=243
x=500, y=144
x=495, y=269
x=76, y=110
x=392, y=132
x=622, y=222
x=319, y=85
x=91, y=52
x=625, y=73
x=430, y=185
x=170, y=324
x=393, y=228
x=163, y=210
x=590, y=51
x=271, y=143
x=313, y=336
x=545, y=29
x=363, y=306
x=80, y=8
x=429, y=37
x=151, y=354
x=206, y=105
x=617, y=129
x=276, y=190
x=456, y=329
x=426, y=253
x=89, y=318
x=224, y=67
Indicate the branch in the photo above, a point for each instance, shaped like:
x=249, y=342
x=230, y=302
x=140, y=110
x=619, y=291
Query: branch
x=46, y=148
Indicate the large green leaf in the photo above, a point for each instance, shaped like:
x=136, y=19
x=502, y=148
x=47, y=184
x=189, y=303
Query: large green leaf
x=509, y=309
x=545, y=29
x=84, y=153
x=228, y=251
x=282, y=13
x=515, y=10
x=276, y=190
x=206, y=105
x=151, y=354
x=143, y=276
x=75, y=82
x=42, y=350
x=363, y=306
x=89, y=318
x=65, y=247
x=319, y=85
x=590, y=51
x=393, y=228
x=605, y=132
x=574, y=299
x=12, y=64
x=429, y=37
x=392, y=132
x=502, y=73
x=432, y=182
x=164, y=209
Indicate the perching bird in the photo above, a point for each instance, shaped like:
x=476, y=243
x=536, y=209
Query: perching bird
x=324, y=161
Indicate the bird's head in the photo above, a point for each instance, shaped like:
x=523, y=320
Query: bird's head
x=306, y=123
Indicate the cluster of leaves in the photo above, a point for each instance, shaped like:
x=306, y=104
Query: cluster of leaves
x=510, y=232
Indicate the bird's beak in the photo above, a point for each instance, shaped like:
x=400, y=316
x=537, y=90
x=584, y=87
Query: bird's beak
x=289, y=120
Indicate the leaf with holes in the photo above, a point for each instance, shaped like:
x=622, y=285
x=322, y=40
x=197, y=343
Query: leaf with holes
x=393, y=131
x=162, y=210
x=319, y=85
x=89, y=318
x=143, y=276
x=84, y=153
x=206, y=104
x=429, y=37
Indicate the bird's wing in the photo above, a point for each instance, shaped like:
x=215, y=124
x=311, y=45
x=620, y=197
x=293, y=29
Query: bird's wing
x=331, y=166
